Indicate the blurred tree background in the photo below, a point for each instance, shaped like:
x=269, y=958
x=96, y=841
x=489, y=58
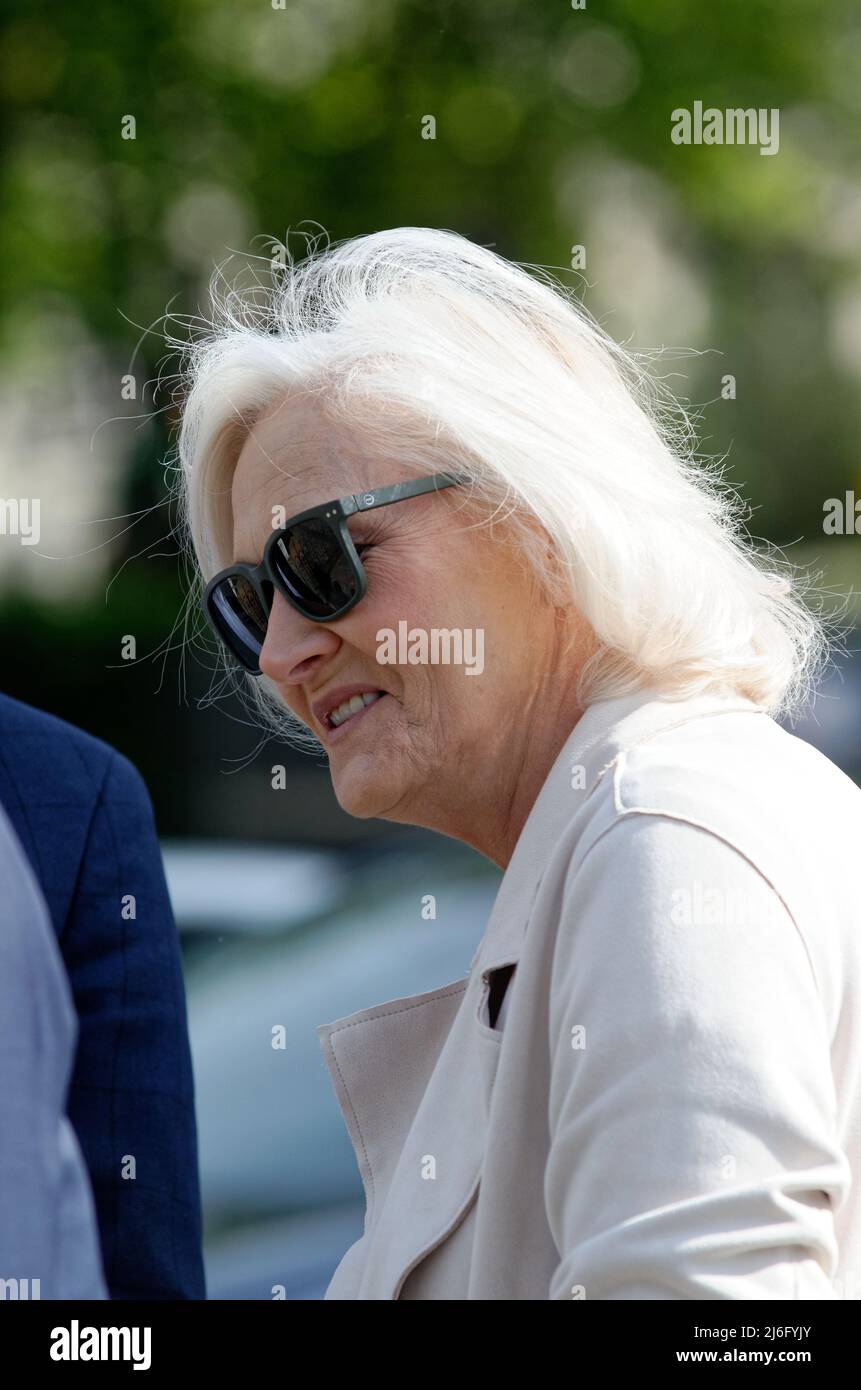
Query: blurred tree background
x=251, y=118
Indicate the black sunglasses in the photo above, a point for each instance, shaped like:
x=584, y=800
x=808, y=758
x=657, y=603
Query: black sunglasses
x=311, y=560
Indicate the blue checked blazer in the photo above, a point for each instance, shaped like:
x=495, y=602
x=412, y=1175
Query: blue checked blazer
x=85, y=821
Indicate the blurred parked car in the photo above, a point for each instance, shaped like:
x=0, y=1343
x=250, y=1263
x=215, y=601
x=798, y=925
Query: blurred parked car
x=277, y=941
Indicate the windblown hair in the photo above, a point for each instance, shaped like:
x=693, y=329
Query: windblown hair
x=499, y=371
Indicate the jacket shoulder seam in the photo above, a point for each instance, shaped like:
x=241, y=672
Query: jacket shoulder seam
x=625, y=812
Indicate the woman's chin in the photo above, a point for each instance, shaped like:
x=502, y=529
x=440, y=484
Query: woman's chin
x=361, y=789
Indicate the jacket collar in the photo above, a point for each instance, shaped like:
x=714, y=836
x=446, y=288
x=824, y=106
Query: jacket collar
x=603, y=732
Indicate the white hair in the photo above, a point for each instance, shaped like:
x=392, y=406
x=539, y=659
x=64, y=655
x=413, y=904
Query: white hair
x=498, y=370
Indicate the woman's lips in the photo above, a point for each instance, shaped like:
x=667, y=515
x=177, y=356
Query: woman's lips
x=333, y=734
x=325, y=706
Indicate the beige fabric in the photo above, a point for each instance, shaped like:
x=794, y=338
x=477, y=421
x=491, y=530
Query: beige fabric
x=672, y=1109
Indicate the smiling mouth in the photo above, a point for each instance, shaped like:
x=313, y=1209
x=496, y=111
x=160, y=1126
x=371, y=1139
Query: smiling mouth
x=352, y=708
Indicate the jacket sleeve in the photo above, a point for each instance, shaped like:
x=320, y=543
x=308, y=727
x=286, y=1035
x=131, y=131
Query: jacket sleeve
x=131, y=1099
x=48, y=1239
x=693, y=1133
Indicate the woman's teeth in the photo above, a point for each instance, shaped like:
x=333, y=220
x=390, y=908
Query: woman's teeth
x=352, y=706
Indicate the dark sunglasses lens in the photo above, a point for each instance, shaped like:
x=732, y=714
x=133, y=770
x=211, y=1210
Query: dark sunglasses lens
x=314, y=567
x=240, y=617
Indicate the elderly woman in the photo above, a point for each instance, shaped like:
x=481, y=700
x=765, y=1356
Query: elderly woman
x=648, y=1085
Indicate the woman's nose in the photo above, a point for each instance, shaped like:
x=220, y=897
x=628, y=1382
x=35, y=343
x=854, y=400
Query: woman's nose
x=292, y=642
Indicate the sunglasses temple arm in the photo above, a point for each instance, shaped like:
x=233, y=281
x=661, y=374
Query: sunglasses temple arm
x=366, y=501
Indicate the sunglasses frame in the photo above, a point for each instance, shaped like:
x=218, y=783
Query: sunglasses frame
x=335, y=513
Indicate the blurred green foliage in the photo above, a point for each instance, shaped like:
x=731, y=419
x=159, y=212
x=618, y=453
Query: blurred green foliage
x=552, y=130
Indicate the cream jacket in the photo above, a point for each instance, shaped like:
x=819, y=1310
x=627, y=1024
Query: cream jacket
x=672, y=1109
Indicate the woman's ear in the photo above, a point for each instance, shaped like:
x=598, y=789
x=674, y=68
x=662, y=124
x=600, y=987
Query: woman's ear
x=536, y=554
x=551, y=574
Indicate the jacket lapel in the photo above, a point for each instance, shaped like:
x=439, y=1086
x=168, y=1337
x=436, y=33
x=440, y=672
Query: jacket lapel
x=413, y=1079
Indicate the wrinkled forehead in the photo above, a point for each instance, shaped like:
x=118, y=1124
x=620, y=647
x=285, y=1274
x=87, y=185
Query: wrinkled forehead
x=297, y=456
